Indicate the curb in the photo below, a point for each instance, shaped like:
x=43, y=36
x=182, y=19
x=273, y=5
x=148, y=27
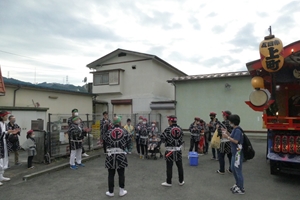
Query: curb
x=56, y=168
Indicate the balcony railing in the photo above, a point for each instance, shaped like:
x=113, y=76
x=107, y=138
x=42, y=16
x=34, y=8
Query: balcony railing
x=281, y=122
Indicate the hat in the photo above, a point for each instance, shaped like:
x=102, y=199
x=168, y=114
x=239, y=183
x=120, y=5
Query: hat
x=226, y=113
x=141, y=117
x=145, y=119
x=74, y=110
x=212, y=114
x=172, y=118
x=3, y=113
x=197, y=118
x=117, y=120
x=29, y=132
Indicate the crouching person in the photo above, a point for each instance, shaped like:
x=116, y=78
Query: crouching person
x=116, y=140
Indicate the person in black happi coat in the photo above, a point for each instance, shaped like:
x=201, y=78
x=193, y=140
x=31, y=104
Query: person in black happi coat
x=117, y=139
x=195, y=129
x=13, y=143
x=173, y=139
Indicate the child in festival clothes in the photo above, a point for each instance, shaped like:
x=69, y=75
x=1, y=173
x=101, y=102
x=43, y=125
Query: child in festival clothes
x=30, y=146
x=153, y=136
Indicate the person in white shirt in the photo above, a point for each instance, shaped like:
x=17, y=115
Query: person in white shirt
x=4, y=133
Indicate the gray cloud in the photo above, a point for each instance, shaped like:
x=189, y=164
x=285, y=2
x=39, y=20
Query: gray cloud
x=195, y=22
x=172, y=26
x=51, y=20
x=221, y=61
x=159, y=19
x=156, y=50
x=179, y=57
x=48, y=27
x=237, y=50
x=245, y=38
x=283, y=23
x=218, y=29
x=212, y=14
x=262, y=14
x=292, y=7
x=202, y=5
x=286, y=19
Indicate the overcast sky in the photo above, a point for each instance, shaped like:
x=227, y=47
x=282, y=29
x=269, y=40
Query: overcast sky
x=46, y=41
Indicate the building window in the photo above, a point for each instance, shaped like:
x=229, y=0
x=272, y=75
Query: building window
x=101, y=79
x=114, y=78
x=108, y=78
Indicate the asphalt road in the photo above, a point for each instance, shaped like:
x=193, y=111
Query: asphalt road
x=144, y=178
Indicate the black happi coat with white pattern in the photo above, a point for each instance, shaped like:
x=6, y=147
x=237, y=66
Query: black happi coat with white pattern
x=144, y=134
x=195, y=131
x=137, y=130
x=117, y=137
x=105, y=125
x=76, y=133
x=173, y=137
x=13, y=146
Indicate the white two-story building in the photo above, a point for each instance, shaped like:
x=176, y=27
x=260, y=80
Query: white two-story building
x=130, y=83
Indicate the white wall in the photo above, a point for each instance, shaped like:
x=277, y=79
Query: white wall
x=23, y=119
x=59, y=108
x=200, y=97
x=146, y=83
x=63, y=104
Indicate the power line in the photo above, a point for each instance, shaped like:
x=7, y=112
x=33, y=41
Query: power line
x=28, y=68
x=45, y=61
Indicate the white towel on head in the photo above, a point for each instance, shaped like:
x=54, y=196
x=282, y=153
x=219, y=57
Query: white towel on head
x=238, y=156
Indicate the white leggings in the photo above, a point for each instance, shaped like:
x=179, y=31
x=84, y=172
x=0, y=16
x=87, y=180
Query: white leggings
x=75, y=154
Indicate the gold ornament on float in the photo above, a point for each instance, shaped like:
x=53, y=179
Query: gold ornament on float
x=257, y=82
x=271, y=53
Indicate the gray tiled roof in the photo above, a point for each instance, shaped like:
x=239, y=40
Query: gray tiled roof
x=210, y=76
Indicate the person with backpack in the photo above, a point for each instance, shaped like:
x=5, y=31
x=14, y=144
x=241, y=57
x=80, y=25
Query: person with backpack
x=236, y=141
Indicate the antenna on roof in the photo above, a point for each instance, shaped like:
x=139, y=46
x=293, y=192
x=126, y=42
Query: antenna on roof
x=85, y=80
x=67, y=80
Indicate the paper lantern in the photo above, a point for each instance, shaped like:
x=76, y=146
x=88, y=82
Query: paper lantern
x=257, y=82
x=271, y=53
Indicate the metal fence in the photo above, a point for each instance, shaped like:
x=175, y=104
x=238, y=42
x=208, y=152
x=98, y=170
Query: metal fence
x=57, y=141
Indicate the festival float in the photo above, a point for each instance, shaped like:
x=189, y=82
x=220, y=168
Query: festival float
x=276, y=93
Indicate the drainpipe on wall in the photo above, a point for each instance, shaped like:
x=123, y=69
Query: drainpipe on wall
x=15, y=93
